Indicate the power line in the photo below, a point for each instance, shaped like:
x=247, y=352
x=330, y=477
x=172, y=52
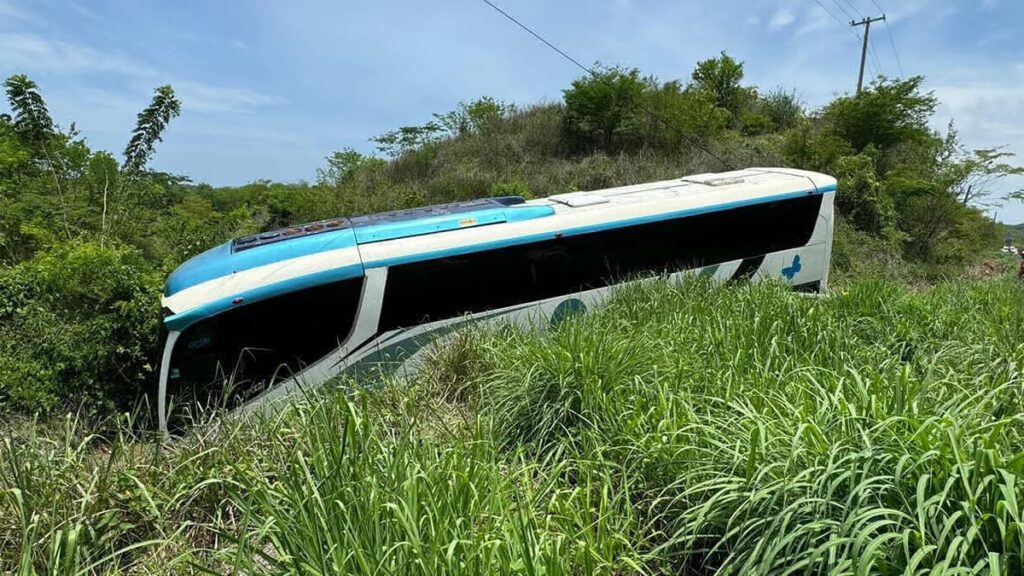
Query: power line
x=879, y=71
x=843, y=10
x=899, y=65
x=873, y=52
x=539, y=37
x=892, y=42
x=875, y=65
x=597, y=76
x=837, y=19
x=854, y=8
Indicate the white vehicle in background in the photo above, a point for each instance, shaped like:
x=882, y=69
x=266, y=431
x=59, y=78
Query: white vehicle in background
x=267, y=314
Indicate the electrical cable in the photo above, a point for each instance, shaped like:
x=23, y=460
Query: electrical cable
x=597, y=76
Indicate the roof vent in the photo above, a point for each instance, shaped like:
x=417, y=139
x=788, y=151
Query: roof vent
x=727, y=181
x=578, y=199
x=274, y=236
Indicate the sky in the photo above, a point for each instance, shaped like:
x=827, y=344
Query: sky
x=268, y=89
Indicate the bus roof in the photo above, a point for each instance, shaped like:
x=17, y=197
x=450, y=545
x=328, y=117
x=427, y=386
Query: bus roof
x=319, y=252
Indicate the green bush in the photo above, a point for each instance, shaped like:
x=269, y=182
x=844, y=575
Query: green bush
x=782, y=107
x=512, y=188
x=79, y=324
x=864, y=202
x=755, y=124
x=889, y=113
x=857, y=254
x=601, y=111
x=193, y=226
x=902, y=187
x=679, y=116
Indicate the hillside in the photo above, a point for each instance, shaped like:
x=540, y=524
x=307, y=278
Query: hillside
x=1014, y=232
x=86, y=237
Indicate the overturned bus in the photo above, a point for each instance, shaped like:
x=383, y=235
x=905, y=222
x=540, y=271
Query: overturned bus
x=267, y=314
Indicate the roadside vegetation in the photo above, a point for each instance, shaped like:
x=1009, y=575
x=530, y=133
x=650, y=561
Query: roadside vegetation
x=86, y=240
x=683, y=429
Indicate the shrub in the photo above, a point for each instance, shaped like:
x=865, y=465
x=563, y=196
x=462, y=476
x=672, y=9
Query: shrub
x=782, y=107
x=756, y=124
x=863, y=201
x=680, y=116
x=79, y=324
x=889, y=112
x=600, y=110
x=193, y=226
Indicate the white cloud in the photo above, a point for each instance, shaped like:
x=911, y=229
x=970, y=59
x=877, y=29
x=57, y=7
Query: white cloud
x=206, y=98
x=817, y=19
x=781, y=19
x=987, y=104
x=28, y=52
x=988, y=113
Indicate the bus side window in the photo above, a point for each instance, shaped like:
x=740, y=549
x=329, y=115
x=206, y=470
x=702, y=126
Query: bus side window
x=433, y=290
x=250, y=347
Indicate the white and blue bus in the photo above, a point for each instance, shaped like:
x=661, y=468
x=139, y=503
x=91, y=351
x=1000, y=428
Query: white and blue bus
x=267, y=314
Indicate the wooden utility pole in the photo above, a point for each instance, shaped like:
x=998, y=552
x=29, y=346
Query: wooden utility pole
x=866, y=23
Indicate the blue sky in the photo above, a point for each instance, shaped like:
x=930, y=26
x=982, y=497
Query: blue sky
x=270, y=88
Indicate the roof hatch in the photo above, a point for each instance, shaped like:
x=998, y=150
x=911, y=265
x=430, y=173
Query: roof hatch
x=578, y=199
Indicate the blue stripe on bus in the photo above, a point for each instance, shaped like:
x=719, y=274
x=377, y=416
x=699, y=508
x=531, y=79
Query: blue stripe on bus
x=189, y=317
x=184, y=319
x=469, y=249
x=528, y=212
x=220, y=261
x=447, y=222
x=419, y=227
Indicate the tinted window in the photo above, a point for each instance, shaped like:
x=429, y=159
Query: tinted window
x=450, y=287
x=254, y=345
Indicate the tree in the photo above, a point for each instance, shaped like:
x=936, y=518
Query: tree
x=888, y=113
x=679, y=115
x=721, y=78
x=971, y=176
x=149, y=128
x=343, y=165
x=474, y=116
x=31, y=117
x=782, y=107
x=603, y=106
x=407, y=138
x=36, y=129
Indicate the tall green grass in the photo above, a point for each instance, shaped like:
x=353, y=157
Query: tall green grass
x=682, y=429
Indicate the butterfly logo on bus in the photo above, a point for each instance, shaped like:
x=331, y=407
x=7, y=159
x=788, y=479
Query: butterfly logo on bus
x=791, y=271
